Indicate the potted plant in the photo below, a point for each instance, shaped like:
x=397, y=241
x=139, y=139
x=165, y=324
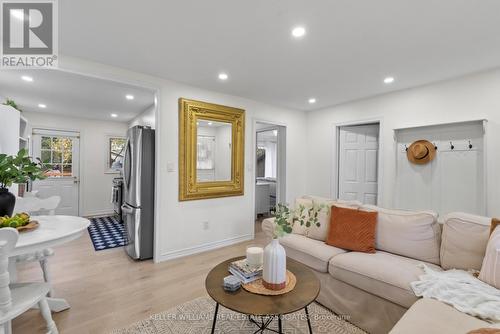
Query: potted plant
x=16, y=169
x=274, y=269
x=12, y=103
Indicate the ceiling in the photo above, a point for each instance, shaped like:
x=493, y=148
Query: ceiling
x=349, y=48
x=74, y=95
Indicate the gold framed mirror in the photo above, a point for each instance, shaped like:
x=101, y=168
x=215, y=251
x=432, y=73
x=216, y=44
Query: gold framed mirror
x=211, y=150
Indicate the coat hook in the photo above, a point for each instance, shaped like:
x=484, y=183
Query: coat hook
x=435, y=146
x=470, y=145
x=406, y=148
x=452, y=146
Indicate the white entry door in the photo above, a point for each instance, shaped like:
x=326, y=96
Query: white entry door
x=59, y=152
x=358, y=163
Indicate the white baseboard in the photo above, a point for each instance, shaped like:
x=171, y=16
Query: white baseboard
x=203, y=248
x=99, y=213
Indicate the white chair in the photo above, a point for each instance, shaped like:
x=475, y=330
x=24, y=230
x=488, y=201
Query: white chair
x=16, y=299
x=34, y=205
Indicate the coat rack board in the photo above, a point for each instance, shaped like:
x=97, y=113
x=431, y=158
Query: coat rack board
x=454, y=180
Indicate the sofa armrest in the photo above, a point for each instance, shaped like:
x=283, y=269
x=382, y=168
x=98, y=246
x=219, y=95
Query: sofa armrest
x=268, y=226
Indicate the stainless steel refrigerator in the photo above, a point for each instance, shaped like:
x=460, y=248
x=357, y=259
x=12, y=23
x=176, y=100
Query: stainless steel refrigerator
x=138, y=192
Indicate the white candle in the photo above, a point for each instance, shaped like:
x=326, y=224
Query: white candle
x=255, y=256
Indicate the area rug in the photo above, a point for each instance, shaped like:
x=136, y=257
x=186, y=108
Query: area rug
x=196, y=317
x=106, y=232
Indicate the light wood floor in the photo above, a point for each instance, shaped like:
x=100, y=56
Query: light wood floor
x=107, y=290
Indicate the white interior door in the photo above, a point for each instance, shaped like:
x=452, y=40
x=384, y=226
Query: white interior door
x=358, y=163
x=59, y=151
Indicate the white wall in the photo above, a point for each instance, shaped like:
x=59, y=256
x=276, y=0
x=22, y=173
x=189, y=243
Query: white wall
x=179, y=229
x=95, y=182
x=145, y=118
x=467, y=98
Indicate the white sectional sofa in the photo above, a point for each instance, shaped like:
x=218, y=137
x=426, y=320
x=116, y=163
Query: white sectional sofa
x=374, y=289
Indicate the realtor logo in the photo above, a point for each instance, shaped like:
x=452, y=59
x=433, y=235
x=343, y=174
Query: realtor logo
x=29, y=34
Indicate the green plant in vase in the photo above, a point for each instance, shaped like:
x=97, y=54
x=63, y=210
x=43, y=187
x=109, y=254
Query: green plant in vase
x=12, y=103
x=16, y=169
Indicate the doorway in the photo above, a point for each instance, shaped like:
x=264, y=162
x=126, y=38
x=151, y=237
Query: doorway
x=270, y=167
x=59, y=151
x=358, y=150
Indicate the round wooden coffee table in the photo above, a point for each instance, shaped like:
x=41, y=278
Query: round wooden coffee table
x=266, y=307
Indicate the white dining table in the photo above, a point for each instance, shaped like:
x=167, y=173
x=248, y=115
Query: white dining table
x=52, y=231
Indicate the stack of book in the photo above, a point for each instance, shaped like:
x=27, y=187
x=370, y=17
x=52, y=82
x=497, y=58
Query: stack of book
x=244, y=272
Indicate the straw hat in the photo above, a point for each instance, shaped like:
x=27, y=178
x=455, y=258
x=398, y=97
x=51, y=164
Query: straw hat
x=421, y=152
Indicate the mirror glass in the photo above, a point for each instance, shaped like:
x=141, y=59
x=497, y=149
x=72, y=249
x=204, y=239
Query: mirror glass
x=213, y=151
x=266, y=155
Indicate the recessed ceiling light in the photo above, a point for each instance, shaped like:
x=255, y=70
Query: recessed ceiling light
x=209, y=123
x=114, y=115
x=312, y=100
x=223, y=76
x=129, y=97
x=298, y=32
x=27, y=78
x=41, y=105
x=388, y=80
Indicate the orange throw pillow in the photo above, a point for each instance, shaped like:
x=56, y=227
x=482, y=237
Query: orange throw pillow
x=352, y=229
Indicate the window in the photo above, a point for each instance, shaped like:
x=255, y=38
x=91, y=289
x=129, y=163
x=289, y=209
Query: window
x=57, y=156
x=116, y=151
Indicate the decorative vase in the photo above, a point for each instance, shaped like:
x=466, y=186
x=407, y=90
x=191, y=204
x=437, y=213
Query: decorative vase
x=274, y=270
x=7, y=202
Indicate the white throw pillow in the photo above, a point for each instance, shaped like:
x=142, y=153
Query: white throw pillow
x=306, y=204
x=414, y=234
x=490, y=270
x=464, y=241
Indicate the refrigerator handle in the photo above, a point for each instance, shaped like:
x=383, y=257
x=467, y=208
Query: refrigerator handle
x=126, y=157
x=127, y=209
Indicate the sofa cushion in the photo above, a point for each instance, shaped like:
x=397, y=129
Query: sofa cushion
x=383, y=274
x=430, y=316
x=414, y=234
x=464, y=241
x=313, y=253
x=352, y=229
x=490, y=269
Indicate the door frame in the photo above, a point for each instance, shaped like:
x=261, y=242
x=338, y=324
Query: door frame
x=92, y=70
x=281, y=168
x=334, y=190
x=56, y=129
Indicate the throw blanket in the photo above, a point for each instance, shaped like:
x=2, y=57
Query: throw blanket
x=461, y=290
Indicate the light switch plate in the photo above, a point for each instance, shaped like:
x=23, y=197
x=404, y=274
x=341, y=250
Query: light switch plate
x=170, y=167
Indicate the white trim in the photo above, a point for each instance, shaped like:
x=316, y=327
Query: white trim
x=334, y=162
x=98, y=213
x=54, y=132
x=203, y=247
x=478, y=120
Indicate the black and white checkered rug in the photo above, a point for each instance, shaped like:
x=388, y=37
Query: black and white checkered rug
x=106, y=232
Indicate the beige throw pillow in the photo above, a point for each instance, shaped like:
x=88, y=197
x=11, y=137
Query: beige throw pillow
x=490, y=270
x=464, y=241
x=414, y=234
